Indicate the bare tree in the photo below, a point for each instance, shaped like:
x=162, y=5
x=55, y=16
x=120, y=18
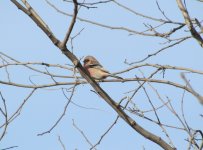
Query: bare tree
x=170, y=32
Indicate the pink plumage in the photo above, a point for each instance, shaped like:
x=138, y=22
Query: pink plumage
x=95, y=69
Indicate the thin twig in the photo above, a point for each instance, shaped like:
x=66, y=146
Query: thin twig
x=60, y=141
x=82, y=133
x=70, y=28
x=9, y=148
x=131, y=31
x=17, y=112
x=5, y=114
x=63, y=113
x=144, y=16
x=158, y=52
x=197, y=95
x=105, y=133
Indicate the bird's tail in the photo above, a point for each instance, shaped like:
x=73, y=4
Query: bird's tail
x=114, y=76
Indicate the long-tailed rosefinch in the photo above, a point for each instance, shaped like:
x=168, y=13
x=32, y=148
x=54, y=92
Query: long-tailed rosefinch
x=96, y=70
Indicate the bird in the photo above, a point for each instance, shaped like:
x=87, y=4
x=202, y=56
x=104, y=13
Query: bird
x=96, y=70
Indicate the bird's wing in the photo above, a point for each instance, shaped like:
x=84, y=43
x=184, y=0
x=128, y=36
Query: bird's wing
x=99, y=67
x=104, y=70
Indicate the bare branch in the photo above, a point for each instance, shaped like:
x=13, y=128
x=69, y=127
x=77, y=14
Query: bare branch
x=72, y=38
x=107, y=80
x=188, y=22
x=32, y=12
x=162, y=67
x=112, y=125
x=9, y=148
x=93, y=83
x=17, y=112
x=71, y=24
x=131, y=31
x=5, y=114
x=140, y=114
x=90, y=5
x=197, y=95
x=27, y=65
x=145, y=16
x=60, y=141
x=159, y=51
x=82, y=133
x=63, y=113
x=162, y=12
x=155, y=112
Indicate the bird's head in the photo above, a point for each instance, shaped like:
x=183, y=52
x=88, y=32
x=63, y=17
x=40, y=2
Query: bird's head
x=90, y=60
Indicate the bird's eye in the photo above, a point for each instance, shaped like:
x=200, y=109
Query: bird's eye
x=86, y=60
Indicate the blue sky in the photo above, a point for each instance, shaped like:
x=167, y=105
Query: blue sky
x=24, y=41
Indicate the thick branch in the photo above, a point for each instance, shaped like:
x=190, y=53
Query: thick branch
x=188, y=22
